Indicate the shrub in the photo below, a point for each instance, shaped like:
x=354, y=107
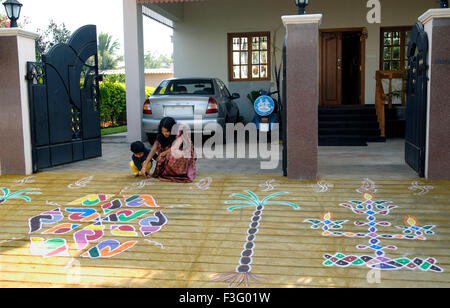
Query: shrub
x=113, y=104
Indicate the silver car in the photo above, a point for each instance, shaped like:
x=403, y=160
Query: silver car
x=207, y=99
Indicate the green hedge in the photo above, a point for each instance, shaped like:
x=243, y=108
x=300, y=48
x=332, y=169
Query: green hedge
x=113, y=103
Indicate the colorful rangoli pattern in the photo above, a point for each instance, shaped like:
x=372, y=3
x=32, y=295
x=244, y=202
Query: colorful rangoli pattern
x=372, y=209
x=121, y=217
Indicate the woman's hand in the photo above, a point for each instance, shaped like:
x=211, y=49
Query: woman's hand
x=144, y=171
x=165, y=153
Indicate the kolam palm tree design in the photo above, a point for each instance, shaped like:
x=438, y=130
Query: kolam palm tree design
x=7, y=194
x=243, y=273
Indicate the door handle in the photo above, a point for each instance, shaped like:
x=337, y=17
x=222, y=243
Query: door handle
x=339, y=64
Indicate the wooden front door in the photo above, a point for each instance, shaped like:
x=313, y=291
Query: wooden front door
x=331, y=69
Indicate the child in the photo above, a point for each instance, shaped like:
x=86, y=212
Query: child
x=140, y=154
x=173, y=164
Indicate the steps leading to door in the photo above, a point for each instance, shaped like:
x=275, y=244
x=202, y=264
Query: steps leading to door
x=348, y=126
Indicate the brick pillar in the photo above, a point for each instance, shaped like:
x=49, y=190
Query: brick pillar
x=437, y=163
x=17, y=47
x=302, y=95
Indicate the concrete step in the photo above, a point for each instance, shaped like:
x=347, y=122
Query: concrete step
x=339, y=140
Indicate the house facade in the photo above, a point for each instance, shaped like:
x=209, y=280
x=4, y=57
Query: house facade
x=357, y=40
x=350, y=49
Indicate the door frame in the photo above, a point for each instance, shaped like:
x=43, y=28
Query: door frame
x=363, y=61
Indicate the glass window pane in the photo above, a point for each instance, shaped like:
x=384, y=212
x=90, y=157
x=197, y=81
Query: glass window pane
x=396, y=40
x=396, y=53
x=244, y=43
x=236, y=58
x=236, y=42
x=236, y=71
x=244, y=72
x=255, y=71
x=263, y=41
x=255, y=57
x=263, y=57
x=264, y=71
x=387, y=66
x=387, y=38
x=255, y=43
x=395, y=65
x=244, y=57
x=387, y=53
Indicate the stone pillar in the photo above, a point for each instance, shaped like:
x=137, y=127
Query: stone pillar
x=437, y=162
x=134, y=67
x=302, y=87
x=17, y=47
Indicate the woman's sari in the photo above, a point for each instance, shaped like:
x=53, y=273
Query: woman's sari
x=179, y=165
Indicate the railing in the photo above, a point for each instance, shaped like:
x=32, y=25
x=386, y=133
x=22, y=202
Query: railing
x=381, y=96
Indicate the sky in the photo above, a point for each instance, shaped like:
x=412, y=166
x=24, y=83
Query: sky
x=106, y=14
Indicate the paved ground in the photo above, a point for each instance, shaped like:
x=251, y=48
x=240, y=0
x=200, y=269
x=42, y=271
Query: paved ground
x=67, y=229
x=383, y=160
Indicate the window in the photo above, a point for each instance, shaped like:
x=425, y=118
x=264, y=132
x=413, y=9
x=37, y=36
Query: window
x=394, y=48
x=223, y=89
x=185, y=87
x=249, y=56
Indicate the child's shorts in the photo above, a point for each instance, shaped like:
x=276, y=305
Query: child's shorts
x=135, y=169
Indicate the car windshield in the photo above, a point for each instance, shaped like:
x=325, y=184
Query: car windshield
x=185, y=87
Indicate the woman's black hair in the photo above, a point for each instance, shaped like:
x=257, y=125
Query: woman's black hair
x=168, y=123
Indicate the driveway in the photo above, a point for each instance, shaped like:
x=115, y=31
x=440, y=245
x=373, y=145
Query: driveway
x=68, y=229
x=383, y=160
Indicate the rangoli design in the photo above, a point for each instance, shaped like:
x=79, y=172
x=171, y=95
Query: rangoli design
x=372, y=209
x=80, y=183
x=203, y=184
x=136, y=185
x=269, y=185
x=367, y=186
x=322, y=186
x=243, y=273
x=21, y=194
x=25, y=180
x=131, y=216
x=420, y=189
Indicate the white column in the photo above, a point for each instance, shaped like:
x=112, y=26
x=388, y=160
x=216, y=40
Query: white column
x=134, y=67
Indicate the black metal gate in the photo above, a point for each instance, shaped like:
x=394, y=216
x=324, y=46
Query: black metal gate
x=416, y=102
x=284, y=110
x=64, y=102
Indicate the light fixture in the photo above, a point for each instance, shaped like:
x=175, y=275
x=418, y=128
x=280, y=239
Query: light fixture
x=13, y=8
x=302, y=4
x=444, y=4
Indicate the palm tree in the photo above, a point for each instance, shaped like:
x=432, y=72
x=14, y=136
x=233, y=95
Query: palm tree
x=243, y=270
x=17, y=195
x=107, y=49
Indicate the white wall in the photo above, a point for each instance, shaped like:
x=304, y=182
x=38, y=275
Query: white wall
x=200, y=37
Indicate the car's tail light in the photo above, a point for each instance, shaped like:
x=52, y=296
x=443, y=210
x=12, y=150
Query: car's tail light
x=147, y=107
x=212, y=106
